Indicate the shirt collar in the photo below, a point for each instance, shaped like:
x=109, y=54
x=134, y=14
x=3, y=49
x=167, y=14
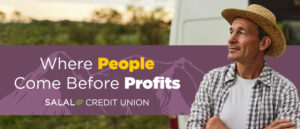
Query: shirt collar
x=230, y=74
x=264, y=77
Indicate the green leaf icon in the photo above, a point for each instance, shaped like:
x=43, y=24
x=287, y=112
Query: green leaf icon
x=79, y=102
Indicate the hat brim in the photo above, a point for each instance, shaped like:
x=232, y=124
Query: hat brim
x=278, y=43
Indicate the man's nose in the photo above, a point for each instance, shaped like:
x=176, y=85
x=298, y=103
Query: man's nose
x=233, y=38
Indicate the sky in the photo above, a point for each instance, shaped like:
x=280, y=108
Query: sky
x=77, y=10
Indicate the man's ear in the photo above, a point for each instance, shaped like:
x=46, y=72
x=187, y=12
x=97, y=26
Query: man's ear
x=265, y=43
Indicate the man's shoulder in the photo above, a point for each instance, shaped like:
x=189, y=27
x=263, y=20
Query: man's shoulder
x=280, y=80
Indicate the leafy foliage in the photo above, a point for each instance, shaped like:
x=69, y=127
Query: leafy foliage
x=84, y=122
x=107, y=27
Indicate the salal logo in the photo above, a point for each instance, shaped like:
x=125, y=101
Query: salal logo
x=79, y=102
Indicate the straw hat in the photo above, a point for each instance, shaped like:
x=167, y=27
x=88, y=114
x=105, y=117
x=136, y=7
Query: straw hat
x=266, y=20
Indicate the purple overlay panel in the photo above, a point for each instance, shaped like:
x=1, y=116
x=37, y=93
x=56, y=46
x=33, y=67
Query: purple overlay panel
x=21, y=66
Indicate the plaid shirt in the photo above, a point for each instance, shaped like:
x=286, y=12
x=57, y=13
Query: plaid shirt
x=273, y=96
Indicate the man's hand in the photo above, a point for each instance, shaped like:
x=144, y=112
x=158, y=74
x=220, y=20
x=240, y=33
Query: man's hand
x=281, y=124
x=215, y=123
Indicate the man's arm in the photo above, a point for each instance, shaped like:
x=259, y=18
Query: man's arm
x=215, y=123
x=289, y=107
x=201, y=108
x=281, y=124
x=288, y=110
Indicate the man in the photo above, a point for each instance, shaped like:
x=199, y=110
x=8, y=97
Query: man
x=248, y=94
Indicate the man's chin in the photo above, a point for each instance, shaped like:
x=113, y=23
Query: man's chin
x=231, y=58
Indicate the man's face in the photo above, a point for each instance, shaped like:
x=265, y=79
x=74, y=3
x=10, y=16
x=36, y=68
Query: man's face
x=243, y=43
